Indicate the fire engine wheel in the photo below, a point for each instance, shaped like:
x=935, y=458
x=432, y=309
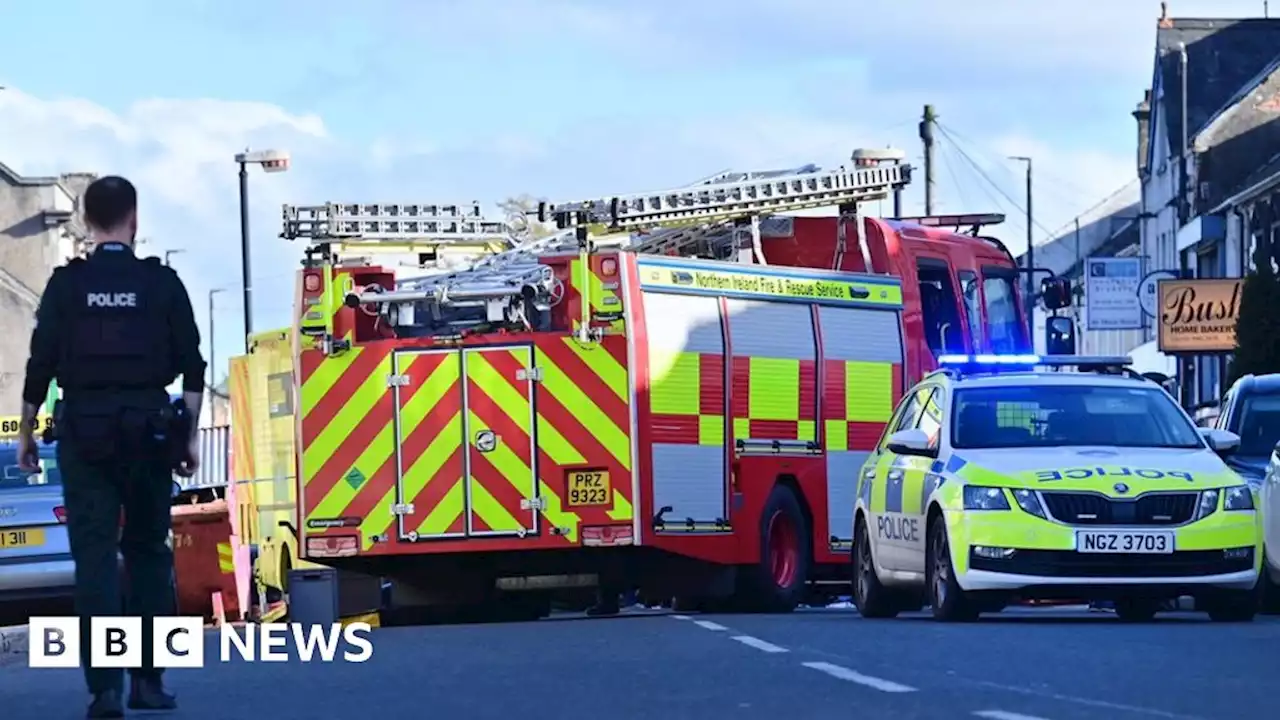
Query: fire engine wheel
x=777, y=583
x=870, y=596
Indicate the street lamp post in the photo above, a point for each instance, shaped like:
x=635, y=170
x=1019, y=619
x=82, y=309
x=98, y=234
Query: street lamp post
x=272, y=161
x=213, y=372
x=170, y=253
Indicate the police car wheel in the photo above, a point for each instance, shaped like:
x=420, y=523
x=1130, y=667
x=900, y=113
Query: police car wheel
x=1270, y=592
x=948, y=601
x=870, y=596
x=1232, y=606
x=1137, y=610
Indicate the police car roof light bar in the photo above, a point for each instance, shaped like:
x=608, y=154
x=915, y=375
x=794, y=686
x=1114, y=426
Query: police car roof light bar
x=992, y=363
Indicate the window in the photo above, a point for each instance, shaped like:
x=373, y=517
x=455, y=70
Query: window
x=942, y=329
x=971, y=291
x=1004, y=323
x=1069, y=415
x=931, y=419
x=908, y=414
x=1259, y=427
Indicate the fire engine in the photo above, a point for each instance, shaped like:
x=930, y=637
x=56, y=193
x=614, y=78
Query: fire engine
x=673, y=391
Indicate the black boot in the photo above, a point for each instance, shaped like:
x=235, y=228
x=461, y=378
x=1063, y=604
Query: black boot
x=148, y=693
x=106, y=704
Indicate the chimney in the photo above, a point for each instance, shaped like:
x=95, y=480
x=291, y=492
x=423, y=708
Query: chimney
x=1143, y=115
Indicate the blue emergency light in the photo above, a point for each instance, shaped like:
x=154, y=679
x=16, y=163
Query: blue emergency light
x=995, y=363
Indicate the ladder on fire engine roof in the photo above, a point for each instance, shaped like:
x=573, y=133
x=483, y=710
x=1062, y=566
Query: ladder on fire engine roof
x=669, y=222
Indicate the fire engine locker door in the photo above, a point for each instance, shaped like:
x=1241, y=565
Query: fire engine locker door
x=430, y=497
x=501, y=436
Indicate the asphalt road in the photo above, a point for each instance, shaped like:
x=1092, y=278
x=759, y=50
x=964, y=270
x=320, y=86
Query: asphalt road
x=1022, y=665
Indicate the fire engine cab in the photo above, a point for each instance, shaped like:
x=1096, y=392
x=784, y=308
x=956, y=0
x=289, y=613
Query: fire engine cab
x=668, y=391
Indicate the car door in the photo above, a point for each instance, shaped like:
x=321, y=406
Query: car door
x=1270, y=502
x=884, y=485
x=917, y=472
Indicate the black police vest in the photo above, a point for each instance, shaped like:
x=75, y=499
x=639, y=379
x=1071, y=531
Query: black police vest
x=118, y=336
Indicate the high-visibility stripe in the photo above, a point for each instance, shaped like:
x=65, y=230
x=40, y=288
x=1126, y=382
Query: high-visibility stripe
x=854, y=419
x=242, y=460
x=226, y=561
x=601, y=300
x=611, y=372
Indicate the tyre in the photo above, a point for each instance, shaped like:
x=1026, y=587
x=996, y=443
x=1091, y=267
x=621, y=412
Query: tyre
x=1137, y=610
x=777, y=583
x=1270, y=603
x=950, y=603
x=1233, y=606
x=870, y=596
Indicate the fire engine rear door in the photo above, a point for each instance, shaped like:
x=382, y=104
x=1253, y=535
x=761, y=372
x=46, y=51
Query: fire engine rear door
x=500, y=434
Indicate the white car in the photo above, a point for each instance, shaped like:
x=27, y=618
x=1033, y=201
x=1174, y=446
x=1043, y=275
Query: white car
x=996, y=482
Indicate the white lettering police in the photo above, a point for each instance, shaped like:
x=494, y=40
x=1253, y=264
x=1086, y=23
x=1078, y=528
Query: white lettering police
x=1112, y=472
x=113, y=300
x=898, y=527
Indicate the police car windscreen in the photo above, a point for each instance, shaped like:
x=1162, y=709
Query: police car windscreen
x=1259, y=425
x=1058, y=415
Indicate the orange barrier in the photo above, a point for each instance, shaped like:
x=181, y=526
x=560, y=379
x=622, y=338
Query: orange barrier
x=202, y=559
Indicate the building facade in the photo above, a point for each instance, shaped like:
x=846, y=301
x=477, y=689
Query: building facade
x=1209, y=126
x=39, y=230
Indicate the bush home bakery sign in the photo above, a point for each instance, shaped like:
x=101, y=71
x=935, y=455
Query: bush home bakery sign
x=1198, y=316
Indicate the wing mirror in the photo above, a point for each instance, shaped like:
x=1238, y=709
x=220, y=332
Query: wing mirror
x=1223, y=442
x=911, y=442
x=1059, y=336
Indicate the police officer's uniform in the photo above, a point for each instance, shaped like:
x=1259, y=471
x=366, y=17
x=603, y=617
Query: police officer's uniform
x=115, y=331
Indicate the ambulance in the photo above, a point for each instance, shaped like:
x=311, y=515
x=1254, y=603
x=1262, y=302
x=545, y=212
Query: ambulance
x=670, y=391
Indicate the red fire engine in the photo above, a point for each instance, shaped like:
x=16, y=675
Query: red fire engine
x=672, y=391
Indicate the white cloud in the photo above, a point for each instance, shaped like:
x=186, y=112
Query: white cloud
x=179, y=152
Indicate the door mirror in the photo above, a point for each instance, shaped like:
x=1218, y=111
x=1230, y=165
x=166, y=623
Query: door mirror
x=911, y=442
x=1055, y=293
x=1059, y=336
x=1223, y=442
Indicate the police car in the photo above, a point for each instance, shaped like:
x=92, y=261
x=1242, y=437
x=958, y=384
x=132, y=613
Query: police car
x=996, y=481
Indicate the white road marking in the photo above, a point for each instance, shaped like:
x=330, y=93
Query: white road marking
x=759, y=644
x=708, y=625
x=845, y=673
x=1002, y=715
x=681, y=617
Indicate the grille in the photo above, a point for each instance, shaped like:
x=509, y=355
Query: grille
x=1091, y=509
x=1066, y=563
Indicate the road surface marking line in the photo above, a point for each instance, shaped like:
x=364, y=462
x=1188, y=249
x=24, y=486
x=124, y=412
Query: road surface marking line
x=759, y=644
x=844, y=673
x=1002, y=715
x=680, y=617
x=708, y=625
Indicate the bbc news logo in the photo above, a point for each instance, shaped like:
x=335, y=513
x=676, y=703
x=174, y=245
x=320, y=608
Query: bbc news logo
x=179, y=642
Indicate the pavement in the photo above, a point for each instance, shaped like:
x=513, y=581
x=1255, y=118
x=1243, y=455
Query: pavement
x=1023, y=664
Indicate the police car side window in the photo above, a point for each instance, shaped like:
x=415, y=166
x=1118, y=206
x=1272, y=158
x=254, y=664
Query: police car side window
x=908, y=414
x=931, y=418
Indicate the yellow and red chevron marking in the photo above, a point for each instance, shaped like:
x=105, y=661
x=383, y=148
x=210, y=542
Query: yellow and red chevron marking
x=602, y=289
x=348, y=433
x=582, y=420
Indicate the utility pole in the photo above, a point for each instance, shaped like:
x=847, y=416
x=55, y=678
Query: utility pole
x=1031, y=249
x=926, y=137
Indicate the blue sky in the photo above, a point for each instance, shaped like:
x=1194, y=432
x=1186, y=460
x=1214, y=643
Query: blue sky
x=393, y=100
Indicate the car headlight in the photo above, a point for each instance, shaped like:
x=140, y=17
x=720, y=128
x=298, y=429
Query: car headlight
x=1239, y=497
x=1208, y=504
x=1029, y=502
x=977, y=497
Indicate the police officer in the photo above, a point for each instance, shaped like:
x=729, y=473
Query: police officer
x=115, y=331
